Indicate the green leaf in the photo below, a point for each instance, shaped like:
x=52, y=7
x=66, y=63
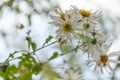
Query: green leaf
x=55, y=54
x=29, y=41
x=48, y=39
x=1, y=74
x=27, y=61
x=36, y=68
x=11, y=55
x=33, y=45
x=11, y=71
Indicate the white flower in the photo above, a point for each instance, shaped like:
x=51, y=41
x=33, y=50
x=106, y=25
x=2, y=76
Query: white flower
x=88, y=15
x=90, y=44
x=70, y=75
x=89, y=20
x=74, y=22
x=67, y=26
x=102, y=59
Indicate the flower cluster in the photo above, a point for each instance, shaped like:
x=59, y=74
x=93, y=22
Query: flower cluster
x=74, y=23
x=82, y=25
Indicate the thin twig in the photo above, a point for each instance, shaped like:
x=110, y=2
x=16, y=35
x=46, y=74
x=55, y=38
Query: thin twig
x=32, y=51
x=43, y=47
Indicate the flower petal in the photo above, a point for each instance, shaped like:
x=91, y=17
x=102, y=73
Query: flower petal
x=112, y=54
x=114, y=61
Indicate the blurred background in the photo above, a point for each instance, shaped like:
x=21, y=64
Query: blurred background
x=34, y=16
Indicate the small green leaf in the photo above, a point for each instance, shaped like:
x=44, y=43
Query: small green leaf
x=48, y=39
x=55, y=54
x=36, y=68
x=11, y=55
x=29, y=41
x=33, y=45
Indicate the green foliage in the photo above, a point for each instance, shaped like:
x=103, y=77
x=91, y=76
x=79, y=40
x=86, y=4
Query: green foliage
x=27, y=64
x=29, y=41
x=55, y=55
x=48, y=39
x=31, y=44
x=26, y=75
x=27, y=61
x=26, y=67
x=34, y=46
x=11, y=55
x=10, y=3
x=9, y=73
x=37, y=68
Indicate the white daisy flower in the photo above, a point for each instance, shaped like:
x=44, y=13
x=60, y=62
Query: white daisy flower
x=88, y=15
x=89, y=20
x=68, y=27
x=102, y=59
x=92, y=41
x=70, y=75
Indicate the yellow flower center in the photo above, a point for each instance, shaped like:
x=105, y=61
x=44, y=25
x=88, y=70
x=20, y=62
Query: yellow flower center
x=67, y=26
x=62, y=16
x=85, y=13
x=104, y=59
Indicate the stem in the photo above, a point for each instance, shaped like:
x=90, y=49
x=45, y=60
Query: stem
x=15, y=58
x=74, y=49
x=32, y=51
x=43, y=47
